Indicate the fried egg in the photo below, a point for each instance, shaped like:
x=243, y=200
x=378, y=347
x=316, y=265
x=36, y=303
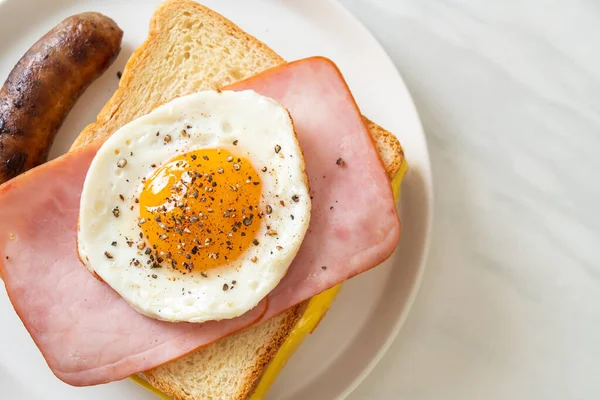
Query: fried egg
x=195, y=211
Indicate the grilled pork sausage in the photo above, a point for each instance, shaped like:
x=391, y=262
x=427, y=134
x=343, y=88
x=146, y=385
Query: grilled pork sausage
x=45, y=84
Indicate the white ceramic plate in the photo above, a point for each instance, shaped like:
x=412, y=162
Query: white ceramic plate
x=372, y=307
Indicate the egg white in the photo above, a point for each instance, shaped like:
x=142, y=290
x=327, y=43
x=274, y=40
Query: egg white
x=211, y=120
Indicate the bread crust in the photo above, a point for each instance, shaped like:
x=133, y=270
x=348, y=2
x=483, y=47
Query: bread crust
x=252, y=374
x=103, y=126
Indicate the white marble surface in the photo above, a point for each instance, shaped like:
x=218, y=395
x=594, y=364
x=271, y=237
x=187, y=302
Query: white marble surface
x=509, y=95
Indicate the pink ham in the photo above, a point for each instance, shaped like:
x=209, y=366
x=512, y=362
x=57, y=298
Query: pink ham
x=354, y=224
x=89, y=335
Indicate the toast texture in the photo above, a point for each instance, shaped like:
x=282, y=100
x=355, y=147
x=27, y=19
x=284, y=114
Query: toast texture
x=192, y=48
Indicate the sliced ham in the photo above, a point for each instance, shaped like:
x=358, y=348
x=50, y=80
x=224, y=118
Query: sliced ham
x=354, y=224
x=89, y=335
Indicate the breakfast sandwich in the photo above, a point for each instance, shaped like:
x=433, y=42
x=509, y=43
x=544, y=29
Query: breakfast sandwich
x=199, y=220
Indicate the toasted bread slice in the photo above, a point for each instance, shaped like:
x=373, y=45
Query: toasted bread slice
x=192, y=48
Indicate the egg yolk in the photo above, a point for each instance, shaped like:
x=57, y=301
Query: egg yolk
x=200, y=210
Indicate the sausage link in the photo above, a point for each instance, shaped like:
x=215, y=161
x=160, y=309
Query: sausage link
x=45, y=84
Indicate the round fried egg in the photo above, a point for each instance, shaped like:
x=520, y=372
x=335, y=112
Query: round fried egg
x=195, y=211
